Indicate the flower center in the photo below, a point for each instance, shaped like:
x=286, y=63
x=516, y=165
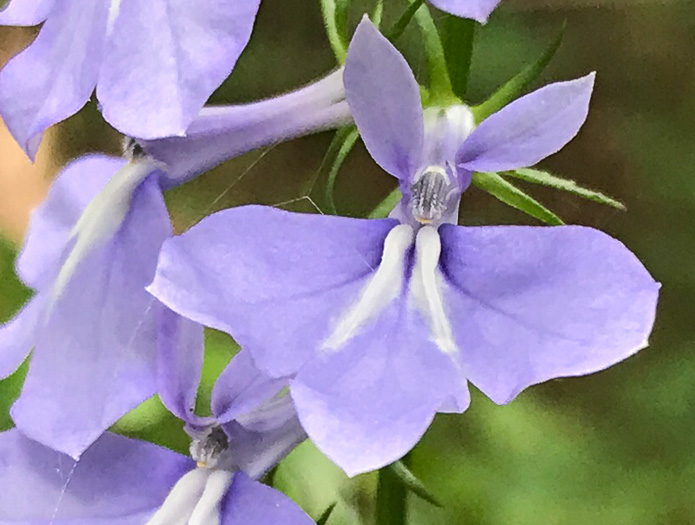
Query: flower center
x=430, y=194
x=209, y=449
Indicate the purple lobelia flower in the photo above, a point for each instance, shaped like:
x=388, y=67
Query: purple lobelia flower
x=478, y=10
x=381, y=323
x=123, y=481
x=92, y=248
x=154, y=64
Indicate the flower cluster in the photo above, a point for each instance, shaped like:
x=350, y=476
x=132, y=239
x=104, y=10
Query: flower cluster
x=354, y=332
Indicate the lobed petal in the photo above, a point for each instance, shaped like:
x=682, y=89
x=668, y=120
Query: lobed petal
x=251, y=503
x=478, y=10
x=180, y=349
x=95, y=358
x=153, y=82
x=529, y=129
x=265, y=276
x=55, y=76
x=529, y=304
x=384, y=99
x=118, y=481
x=368, y=404
x=25, y=12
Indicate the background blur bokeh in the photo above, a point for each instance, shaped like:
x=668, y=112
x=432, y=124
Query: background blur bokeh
x=617, y=447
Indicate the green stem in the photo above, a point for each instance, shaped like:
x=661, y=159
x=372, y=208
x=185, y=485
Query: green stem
x=384, y=207
x=342, y=145
x=399, y=27
x=390, y=499
x=458, y=48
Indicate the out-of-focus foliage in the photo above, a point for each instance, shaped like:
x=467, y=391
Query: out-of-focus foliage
x=617, y=447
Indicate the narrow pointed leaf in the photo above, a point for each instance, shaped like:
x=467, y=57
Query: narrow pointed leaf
x=384, y=207
x=553, y=181
x=518, y=84
x=440, y=85
x=413, y=483
x=340, y=147
x=458, y=49
x=378, y=13
x=342, y=8
x=326, y=515
x=332, y=11
x=391, y=495
x=503, y=190
x=406, y=16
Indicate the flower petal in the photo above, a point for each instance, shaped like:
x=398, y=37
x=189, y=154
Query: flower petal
x=220, y=133
x=55, y=76
x=242, y=387
x=95, y=358
x=368, y=404
x=251, y=503
x=260, y=439
x=268, y=277
x=118, y=481
x=530, y=304
x=384, y=98
x=25, y=12
x=478, y=10
x=153, y=82
x=53, y=220
x=529, y=129
x=180, y=349
x=18, y=336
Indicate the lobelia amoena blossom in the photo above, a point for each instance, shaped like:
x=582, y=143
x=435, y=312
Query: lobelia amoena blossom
x=91, y=249
x=122, y=481
x=381, y=323
x=154, y=64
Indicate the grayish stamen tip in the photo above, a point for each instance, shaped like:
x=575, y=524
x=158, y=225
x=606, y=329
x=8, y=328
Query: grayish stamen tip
x=208, y=449
x=429, y=194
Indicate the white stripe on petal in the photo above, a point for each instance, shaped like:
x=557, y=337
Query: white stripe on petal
x=114, y=9
x=101, y=219
x=207, y=511
x=425, y=288
x=384, y=286
x=182, y=500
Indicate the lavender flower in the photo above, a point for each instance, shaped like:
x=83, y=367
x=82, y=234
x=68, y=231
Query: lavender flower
x=149, y=484
x=381, y=323
x=478, y=10
x=154, y=64
x=92, y=248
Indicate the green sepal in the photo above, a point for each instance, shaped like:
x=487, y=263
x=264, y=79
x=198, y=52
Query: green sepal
x=385, y=206
x=505, y=191
x=547, y=179
x=378, y=13
x=458, y=49
x=515, y=87
x=326, y=514
x=440, y=90
x=341, y=145
x=335, y=21
x=413, y=483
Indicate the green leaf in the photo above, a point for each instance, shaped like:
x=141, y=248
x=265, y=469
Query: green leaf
x=335, y=20
x=391, y=495
x=440, y=90
x=384, y=207
x=548, y=179
x=518, y=84
x=400, y=25
x=326, y=514
x=498, y=187
x=413, y=483
x=341, y=146
x=378, y=13
x=458, y=49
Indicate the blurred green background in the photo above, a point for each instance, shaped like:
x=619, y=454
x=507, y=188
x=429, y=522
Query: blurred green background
x=617, y=447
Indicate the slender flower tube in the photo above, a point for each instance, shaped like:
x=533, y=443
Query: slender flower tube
x=92, y=248
x=147, y=484
x=381, y=323
x=150, y=83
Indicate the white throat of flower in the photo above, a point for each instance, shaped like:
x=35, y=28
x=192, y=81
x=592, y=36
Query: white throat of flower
x=101, y=219
x=195, y=499
x=425, y=292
